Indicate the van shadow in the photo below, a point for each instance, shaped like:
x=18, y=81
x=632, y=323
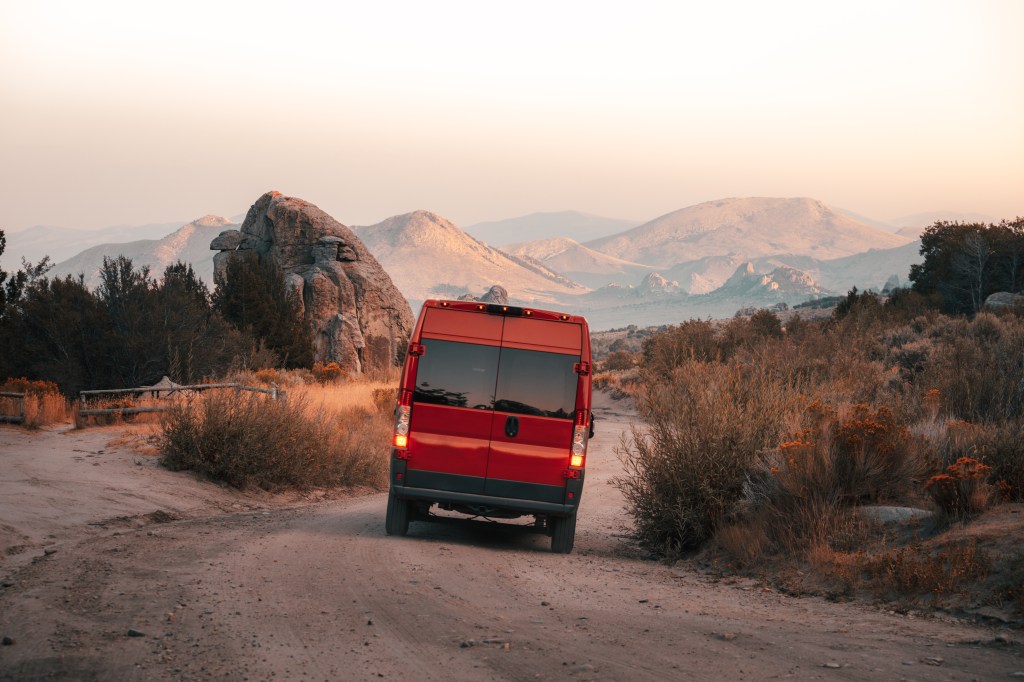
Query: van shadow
x=514, y=535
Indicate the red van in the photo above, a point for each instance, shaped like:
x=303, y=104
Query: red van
x=493, y=417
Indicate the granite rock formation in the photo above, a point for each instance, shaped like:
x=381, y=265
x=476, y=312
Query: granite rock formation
x=359, y=318
x=496, y=294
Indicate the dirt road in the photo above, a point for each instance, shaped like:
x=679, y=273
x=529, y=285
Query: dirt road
x=145, y=584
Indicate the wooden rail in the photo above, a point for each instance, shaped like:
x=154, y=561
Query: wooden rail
x=14, y=418
x=161, y=392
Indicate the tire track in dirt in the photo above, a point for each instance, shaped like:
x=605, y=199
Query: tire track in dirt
x=320, y=592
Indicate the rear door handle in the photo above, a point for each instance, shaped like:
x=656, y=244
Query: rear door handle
x=511, y=426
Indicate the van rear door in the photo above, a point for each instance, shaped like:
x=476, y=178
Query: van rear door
x=535, y=404
x=454, y=399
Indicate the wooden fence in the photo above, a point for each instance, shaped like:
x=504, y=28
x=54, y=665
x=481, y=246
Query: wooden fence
x=14, y=418
x=161, y=393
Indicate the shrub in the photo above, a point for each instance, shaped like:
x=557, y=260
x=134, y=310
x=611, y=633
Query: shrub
x=43, y=402
x=248, y=439
x=268, y=376
x=687, y=468
x=327, y=373
x=619, y=360
x=1001, y=445
x=962, y=490
x=915, y=569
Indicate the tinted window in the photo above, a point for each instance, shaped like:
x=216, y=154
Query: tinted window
x=457, y=374
x=541, y=384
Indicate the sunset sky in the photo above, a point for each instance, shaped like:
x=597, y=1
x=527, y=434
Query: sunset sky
x=137, y=112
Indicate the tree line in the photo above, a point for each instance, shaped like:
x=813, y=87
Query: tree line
x=133, y=328
x=964, y=263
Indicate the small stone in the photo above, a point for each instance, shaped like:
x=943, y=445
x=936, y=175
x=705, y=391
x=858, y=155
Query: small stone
x=545, y=603
x=466, y=643
x=831, y=665
x=369, y=622
x=50, y=550
x=132, y=632
x=7, y=641
x=1004, y=638
x=908, y=663
x=644, y=601
x=6, y=583
x=1019, y=673
x=727, y=636
x=934, y=660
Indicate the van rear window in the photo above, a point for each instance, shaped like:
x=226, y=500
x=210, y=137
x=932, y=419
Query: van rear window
x=468, y=375
x=537, y=383
x=457, y=374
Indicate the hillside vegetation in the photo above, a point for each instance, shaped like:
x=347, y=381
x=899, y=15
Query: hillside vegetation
x=762, y=443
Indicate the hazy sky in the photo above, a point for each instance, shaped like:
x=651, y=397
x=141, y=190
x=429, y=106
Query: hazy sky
x=136, y=112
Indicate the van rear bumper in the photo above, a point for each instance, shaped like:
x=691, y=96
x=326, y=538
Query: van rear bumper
x=526, y=506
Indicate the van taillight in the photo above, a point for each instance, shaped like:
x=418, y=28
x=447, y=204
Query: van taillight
x=580, y=431
x=403, y=413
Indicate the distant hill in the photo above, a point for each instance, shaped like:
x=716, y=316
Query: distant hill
x=429, y=257
x=61, y=243
x=572, y=224
x=750, y=227
x=189, y=243
x=579, y=263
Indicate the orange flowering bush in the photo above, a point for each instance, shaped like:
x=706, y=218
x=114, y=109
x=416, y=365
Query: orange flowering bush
x=268, y=376
x=326, y=373
x=43, y=402
x=846, y=455
x=962, y=490
x=37, y=388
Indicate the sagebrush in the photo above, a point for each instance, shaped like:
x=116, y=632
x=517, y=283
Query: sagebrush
x=251, y=440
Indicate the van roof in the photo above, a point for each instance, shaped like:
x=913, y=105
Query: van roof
x=507, y=310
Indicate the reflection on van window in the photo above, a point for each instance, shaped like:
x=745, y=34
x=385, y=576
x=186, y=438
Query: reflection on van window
x=536, y=383
x=457, y=374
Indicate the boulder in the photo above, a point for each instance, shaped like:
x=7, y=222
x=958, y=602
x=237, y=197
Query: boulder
x=359, y=318
x=496, y=294
x=1004, y=299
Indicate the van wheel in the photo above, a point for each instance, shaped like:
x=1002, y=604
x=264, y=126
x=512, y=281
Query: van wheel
x=396, y=521
x=563, y=533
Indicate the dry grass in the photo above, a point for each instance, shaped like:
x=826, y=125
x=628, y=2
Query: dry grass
x=336, y=434
x=43, y=403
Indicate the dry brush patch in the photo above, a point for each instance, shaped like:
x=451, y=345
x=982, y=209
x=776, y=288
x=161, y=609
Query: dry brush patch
x=43, y=402
x=334, y=435
x=876, y=406
x=686, y=467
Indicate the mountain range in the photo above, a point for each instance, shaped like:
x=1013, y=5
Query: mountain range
x=190, y=243
x=706, y=260
x=61, y=243
x=429, y=257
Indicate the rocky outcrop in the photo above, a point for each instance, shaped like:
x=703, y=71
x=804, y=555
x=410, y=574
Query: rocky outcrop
x=359, y=318
x=1004, y=299
x=496, y=294
x=654, y=283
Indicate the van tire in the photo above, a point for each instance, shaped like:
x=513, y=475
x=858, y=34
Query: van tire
x=396, y=521
x=563, y=533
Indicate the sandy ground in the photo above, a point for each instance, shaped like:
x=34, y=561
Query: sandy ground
x=115, y=569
